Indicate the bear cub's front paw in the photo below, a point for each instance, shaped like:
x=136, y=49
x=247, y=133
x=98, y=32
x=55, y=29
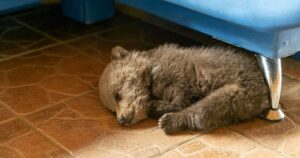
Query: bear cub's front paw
x=171, y=122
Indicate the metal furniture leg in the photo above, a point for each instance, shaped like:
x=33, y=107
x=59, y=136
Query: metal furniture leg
x=273, y=76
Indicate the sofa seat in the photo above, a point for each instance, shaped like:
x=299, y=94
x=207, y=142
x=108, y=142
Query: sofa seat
x=270, y=30
x=7, y=6
x=262, y=15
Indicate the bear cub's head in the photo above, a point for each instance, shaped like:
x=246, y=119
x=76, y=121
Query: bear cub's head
x=125, y=84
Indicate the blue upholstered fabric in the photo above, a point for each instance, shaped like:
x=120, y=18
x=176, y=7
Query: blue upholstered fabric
x=14, y=5
x=264, y=15
x=297, y=56
x=267, y=27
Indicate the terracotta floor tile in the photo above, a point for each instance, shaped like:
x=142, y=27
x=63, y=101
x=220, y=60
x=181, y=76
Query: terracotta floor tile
x=59, y=51
x=130, y=33
x=165, y=141
x=95, y=47
x=262, y=153
x=58, y=97
x=3, y=79
x=269, y=134
x=44, y=115
x=136, y=36
x=76, y=134
x=12, y=129
x=215, y=153
x=291, y=68
x=147, y=34
x=84, y=126
x=83, y=67
x=33, y=74
x=289, y=85
x=35, y=59
x=294, y=115
x=219, y=143
x=99, y=46
x=68, y=127
x=292, y=143
x=90, y=107
x=46, y=77
x=172, y=154
x=8, y=152
x=5, y=113
x=195, y=145
x=150, y=34
x=25, y=99
x=65, y=84
x=15, y=38
x=80, y=65
x=95, y=153
x=206, y=153
x=33, y=145
x=227, y=139
x=146, y=152
x=290, y=94
x=1, y=91
x=49, y=19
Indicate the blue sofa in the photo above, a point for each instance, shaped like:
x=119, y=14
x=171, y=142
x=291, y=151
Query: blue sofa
x=268, y=28
x=7, y=6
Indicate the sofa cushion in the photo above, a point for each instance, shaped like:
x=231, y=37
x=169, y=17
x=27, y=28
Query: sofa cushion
x=14, y=5
x=263, y=15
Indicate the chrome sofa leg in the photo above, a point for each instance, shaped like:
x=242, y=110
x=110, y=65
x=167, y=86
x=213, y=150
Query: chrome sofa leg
x=273, y=76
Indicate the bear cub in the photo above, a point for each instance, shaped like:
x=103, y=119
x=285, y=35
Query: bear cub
x=196, y=88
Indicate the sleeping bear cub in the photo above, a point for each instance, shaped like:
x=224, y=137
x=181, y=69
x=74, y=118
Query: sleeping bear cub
x=198, y=88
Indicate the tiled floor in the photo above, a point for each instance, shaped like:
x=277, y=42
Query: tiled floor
x=49, y=106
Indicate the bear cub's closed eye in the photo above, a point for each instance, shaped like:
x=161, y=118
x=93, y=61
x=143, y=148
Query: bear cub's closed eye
x=117, y=97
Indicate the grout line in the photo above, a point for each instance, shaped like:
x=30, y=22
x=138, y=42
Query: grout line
x=175, y=146
x=14, y=149
x=60, y=102
x=291, y=120
x=99, y=32
x=8, y=120
x=241, y=134
x=291, y=110
x=36, y=30
x=45, y=135
x=28, y=52
x=21, y=135
x=291, y=77
x=73, y=39
x=49, y=138
x=66, y=43
x=23, y=12
x=253, y=140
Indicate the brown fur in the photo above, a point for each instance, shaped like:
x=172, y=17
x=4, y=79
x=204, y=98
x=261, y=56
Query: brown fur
x=199, y=88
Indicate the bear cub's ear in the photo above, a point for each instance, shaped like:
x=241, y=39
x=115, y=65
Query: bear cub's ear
x=119, y=52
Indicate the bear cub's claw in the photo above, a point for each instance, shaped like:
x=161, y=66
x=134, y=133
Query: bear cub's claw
x=170, y=123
